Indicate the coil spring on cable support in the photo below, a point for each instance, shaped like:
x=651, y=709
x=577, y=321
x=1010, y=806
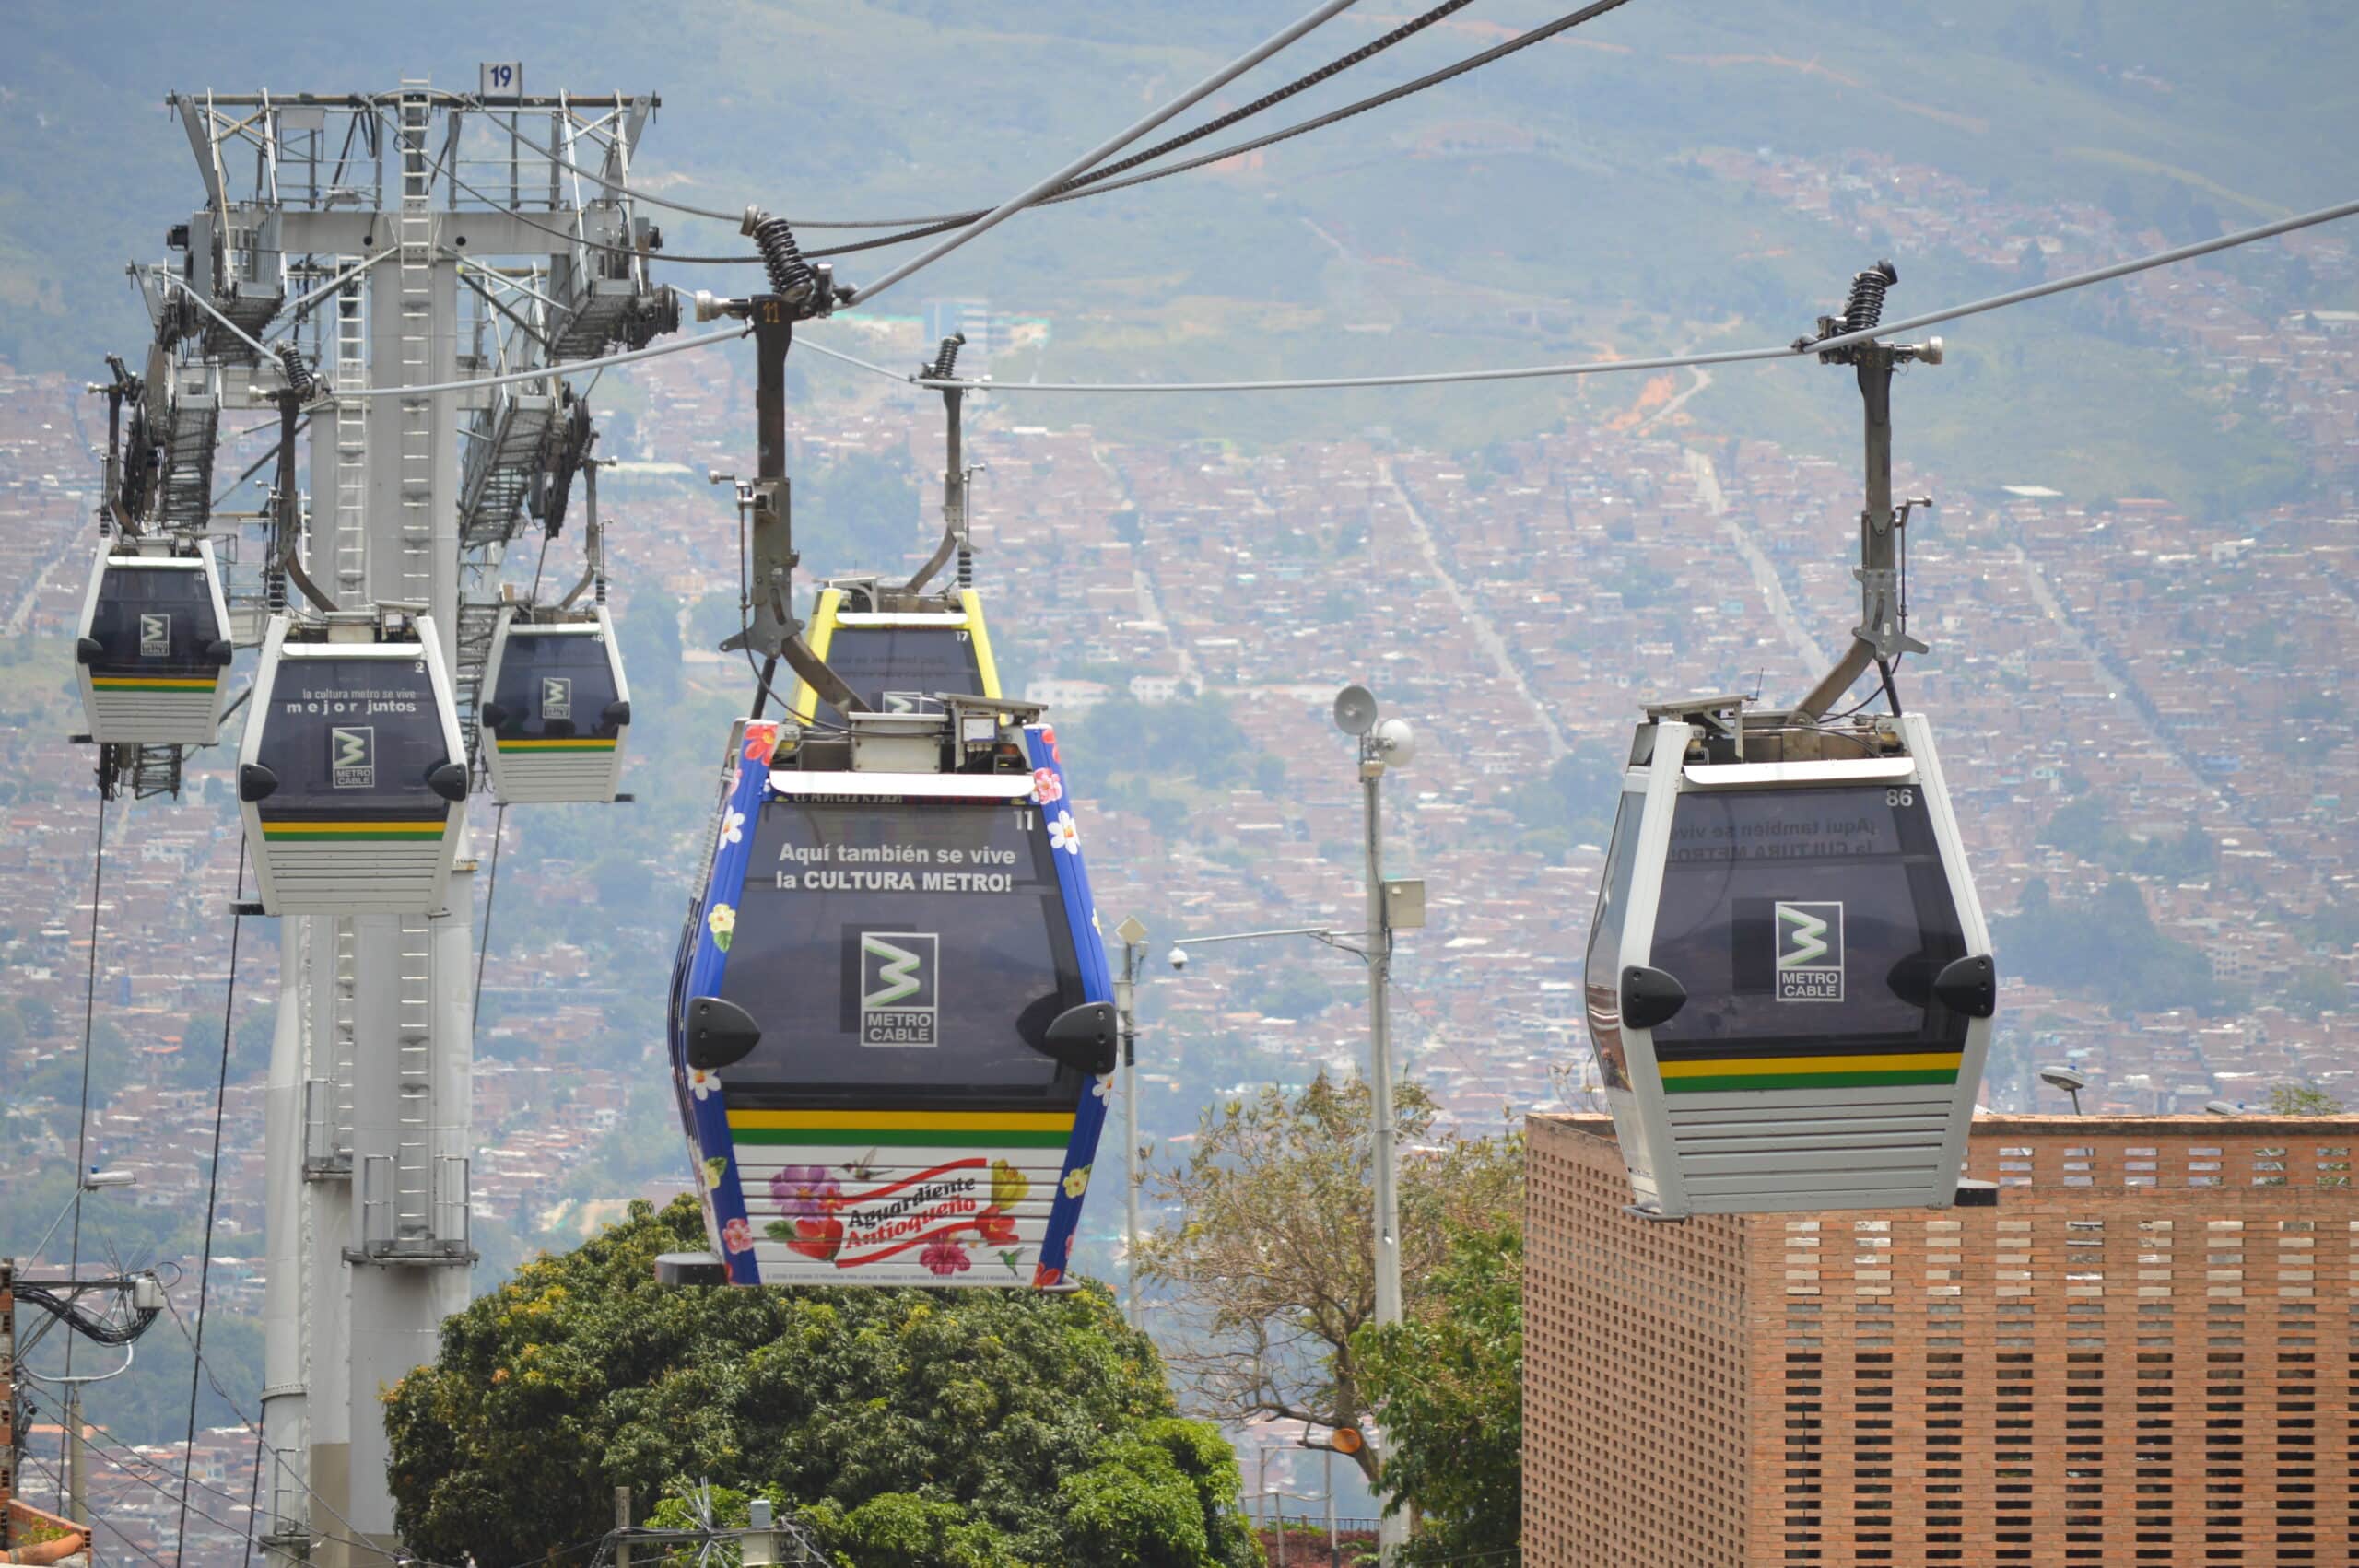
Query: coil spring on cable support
x=298, y=375
x=945, y=359
x=1864, y=309
x=790, y=276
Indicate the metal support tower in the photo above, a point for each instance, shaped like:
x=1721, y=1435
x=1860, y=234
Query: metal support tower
x=374, y=205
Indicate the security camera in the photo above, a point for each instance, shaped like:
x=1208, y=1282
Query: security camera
x=1178, y=957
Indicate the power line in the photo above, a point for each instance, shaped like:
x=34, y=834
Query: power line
x=482, y=946
x=1324, y=12
x=1681, y=361
x=212, y=1199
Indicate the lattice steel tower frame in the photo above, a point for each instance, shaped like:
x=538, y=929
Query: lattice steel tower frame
x=405, y=239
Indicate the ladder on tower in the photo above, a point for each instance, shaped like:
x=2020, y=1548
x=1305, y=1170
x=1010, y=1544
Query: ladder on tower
x=351, y=537
x=414, y=303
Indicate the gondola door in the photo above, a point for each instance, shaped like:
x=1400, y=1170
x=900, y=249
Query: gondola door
x=1790, y=983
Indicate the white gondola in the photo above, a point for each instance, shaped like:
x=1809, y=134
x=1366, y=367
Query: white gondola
x=1790, y=984
x=352, y=778
x=556, y=707
x=153, y=646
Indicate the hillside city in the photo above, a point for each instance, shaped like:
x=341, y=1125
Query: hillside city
x=2138, y=708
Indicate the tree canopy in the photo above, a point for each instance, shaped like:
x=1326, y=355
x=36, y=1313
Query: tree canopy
x=1274, y=1257
x=1447, y=1384
x=906, y=1429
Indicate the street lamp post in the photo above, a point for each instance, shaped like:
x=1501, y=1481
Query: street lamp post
x=1399, y=905
x=1134, y=935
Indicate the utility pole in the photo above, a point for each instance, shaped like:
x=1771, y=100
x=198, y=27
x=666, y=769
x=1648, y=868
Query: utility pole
x=1134, y=935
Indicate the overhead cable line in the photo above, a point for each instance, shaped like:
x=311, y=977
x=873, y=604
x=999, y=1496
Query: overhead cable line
x=212, y=1200
x=1101, y=183
x=1324, y=12
x=1090, y=185
x=1682, y=361
x=544, y=372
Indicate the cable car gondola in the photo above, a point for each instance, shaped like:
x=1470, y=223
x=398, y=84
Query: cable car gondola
x=154, y=644
x=892, y=1028
x=555, y=707
x=899, y=648
x=352, y=777
x=1789, y=981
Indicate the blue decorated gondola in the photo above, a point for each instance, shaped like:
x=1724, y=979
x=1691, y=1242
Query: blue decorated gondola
x=892, y=1030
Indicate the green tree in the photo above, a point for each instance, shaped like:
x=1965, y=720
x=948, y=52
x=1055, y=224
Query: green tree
x=1274, y=1253
x=2300, y=1099
x=1447, y=1384
x=963, y=1429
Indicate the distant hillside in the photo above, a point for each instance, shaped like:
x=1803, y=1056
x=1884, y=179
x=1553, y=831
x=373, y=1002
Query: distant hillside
x=1547, y=188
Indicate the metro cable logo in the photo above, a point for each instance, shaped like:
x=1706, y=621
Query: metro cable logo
x=1810, y=951
x=352, y=756
x=155, y=637
x=899, y=980
x=557, y=697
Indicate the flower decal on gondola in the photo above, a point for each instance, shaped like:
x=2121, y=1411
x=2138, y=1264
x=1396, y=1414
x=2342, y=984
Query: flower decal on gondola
x=1049, y=739
x=1045, y=1278
x=703, y=1082
x=737, y=1237
x=805, y=1189
x=820, y=1239
x=1104, y=1086
x=1078, y=1182
x=944, y=1256
x=1063, y=834
x=723, y=919
x=1046, y=788
x=995, y=1228
x=733, y=829
x=1009, y=1184
x=761, y=741
x=715, y=1167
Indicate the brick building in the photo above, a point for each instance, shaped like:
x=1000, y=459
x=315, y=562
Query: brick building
x=2144, y=1354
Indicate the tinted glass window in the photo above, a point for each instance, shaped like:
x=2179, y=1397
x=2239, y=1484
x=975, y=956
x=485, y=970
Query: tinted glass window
x=1602, y=974
x=894, y=954
x=155, y=619
x=1814, y=918
x=352, y=735
x=895, y=669
x=553, y=685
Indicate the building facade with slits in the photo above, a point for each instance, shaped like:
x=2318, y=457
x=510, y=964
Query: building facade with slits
x=2144, y=1354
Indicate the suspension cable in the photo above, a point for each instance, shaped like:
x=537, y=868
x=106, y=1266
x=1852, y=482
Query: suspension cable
x=212, y=1199
x=1100, y=182
x=1672, y=362
x=89, y=1018
x=482, y=946
x=1324, y=12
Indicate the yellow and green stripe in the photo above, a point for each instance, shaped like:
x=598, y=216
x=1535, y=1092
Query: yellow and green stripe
x=347, y=832
x=1022, y=1129
x=1722, y=1075
x=562, y=744
x=155, y=682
